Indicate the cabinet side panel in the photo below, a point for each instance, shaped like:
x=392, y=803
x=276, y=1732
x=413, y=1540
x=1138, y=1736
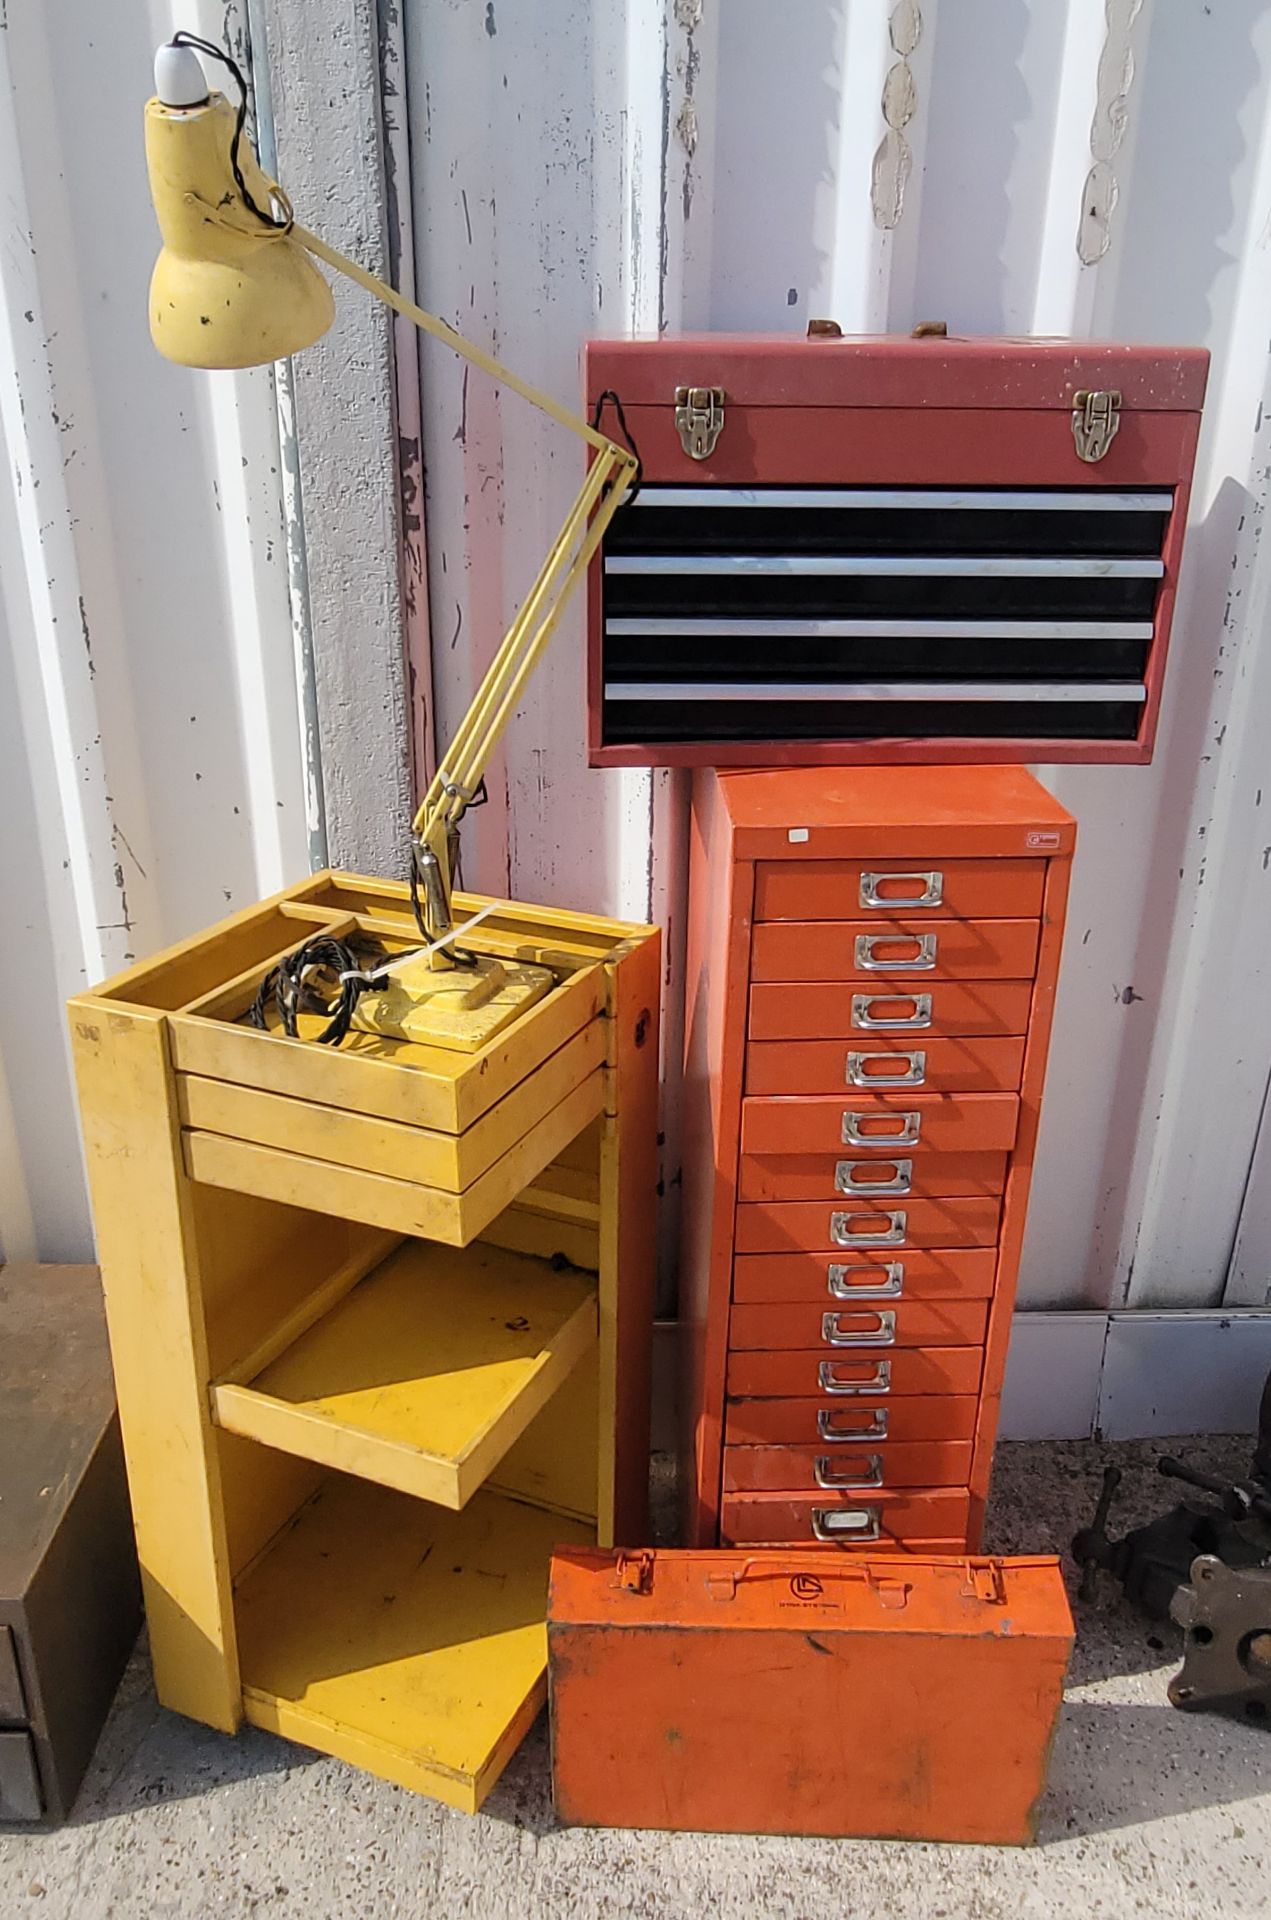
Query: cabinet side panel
x=1018, y=1182
x=718, y=965
x=147, y=1247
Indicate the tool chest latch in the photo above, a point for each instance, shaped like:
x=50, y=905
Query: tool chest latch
x=634, y=1571
x=699, y=415
x=1096, y=415
x=985, y=1581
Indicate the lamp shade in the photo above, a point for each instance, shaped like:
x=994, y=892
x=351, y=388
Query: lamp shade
x=227, y=290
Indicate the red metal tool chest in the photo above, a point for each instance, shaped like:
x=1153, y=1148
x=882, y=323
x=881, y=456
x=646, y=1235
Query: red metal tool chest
x=665, y=1712
x=863, y=550
x=872, y=958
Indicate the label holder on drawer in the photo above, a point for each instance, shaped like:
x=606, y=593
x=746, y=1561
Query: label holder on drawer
x=830, y=1381
x=913, y=1074
x=865, y=1020
x=930, y=892
x=891, y=1235
x=835, y=1435
x=888, y=1286
x=849, y=1176
x=907, y=1134
x=920, y=962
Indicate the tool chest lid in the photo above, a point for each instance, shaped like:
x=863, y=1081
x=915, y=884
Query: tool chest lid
x=785, y=1588
x=781, y=370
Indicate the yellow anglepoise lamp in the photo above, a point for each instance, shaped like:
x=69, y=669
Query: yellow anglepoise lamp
x=235, y=286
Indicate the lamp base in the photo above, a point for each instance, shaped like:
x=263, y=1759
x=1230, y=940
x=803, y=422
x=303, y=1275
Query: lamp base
x=460, y=1008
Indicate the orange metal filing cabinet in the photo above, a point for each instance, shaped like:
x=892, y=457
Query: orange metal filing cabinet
x=787, y=1693
x=872, y=960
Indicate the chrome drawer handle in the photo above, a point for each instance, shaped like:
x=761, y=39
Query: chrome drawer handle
x=930, y=890
x=827, y=1427
x=847, y=1523
x=849, y=1176
x=892, y=1235
x=879, y=1381
x=857, y=1476
x=920, y=962
x=865, y=1018
x=906, y=1134
x=912, y=1074
x=889, y=1284
x=882, y=1334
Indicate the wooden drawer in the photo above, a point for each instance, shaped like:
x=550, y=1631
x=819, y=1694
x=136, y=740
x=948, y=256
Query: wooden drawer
x=824, y=1176
x=776, y=1226
x=884, y=1064
x=880, y=1122
x=865, y=1519
x=824, y=1423
x=899, y=1463
x=840, y=1328
x=846, y=1376
x=951, y=1274
x=949, y=889
x=820, y=1010
x=882, y=951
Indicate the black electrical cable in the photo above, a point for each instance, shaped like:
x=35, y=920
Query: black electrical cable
x=263, y=214
x=286, y=984
x=610, y=398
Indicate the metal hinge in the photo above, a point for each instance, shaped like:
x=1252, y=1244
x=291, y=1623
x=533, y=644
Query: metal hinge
x=699, y=415
x=1095, y=419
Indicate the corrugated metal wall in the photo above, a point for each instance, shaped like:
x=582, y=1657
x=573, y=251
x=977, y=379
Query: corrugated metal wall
x=619, y=165
x=150, y=756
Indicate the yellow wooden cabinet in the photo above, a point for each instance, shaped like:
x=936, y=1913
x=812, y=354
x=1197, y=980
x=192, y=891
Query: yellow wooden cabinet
x=380, y=1321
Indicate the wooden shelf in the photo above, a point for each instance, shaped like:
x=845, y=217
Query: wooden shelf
x=402, y=1638
x=425, y=1373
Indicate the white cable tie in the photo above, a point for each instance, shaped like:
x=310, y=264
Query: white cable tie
x=421, y=953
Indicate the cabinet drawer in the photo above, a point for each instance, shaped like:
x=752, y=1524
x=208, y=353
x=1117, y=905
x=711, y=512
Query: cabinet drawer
x=20, y=1796
x=882, y=1063
x=844, y=1519
x=841, y=1327
x=825, y=1176
x=879, y=1122
x=848, y=1376
x=952, y=889
x=873, y=951
x=823, y=1423
x=776, y=1226
x=820, y=1010
x=12, y=1698
x=821, y=1278
x=898, y=1463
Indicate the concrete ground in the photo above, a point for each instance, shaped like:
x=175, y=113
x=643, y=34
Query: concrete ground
x=1149, y=1811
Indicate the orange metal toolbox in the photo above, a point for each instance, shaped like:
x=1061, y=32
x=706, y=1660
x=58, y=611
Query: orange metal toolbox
x=788, y=1692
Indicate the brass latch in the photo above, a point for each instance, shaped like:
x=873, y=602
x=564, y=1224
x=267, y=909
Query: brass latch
x=1095, y=419
x=699, y=415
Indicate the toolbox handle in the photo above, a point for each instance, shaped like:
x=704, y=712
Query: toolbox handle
x=929, y=889
x=906, y=1134
x=880, y=1332
x=902, y=1069
x=922, y=961
x=857, y=1474
x=886, y=1282
x=879, y=1381
x=860, y=1176
x=828, y=1428
x=866, y=1018
x=847, y=1523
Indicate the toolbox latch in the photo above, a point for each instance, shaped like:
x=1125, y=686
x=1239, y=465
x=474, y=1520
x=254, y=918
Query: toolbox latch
x=985, y=1582
x=699, y=415
x=634, y=1571
x=1096, y=415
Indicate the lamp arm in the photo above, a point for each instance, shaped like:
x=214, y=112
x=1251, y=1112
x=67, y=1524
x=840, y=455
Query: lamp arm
x=458, y=777
x=430, y=324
